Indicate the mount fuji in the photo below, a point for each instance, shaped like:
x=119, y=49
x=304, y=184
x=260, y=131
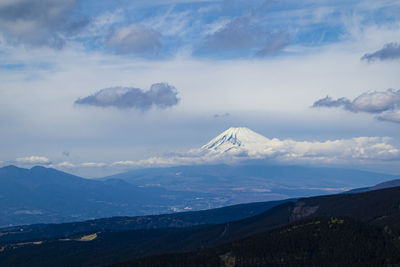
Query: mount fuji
x=237, y=139
x=233, y=167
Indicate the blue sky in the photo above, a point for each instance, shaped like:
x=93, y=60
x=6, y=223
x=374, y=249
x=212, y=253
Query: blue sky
x=162, y=77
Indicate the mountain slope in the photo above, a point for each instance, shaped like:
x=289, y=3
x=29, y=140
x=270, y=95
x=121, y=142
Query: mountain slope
x=179, y=220
x=326, y=241
x=45, y=195
x=388, y=184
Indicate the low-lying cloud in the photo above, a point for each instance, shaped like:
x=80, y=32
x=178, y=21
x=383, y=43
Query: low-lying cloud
x=93, y=164
x=390, y=51
x=385, y=103
x=161, y=95
x=341, y=151
x=34, y=160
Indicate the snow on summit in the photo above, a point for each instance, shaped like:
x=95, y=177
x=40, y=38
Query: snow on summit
x=236, y=138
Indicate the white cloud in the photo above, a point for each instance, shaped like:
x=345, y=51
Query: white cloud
x=66, y=164
x=124, y=163
x=93, y=164
x=34, y=160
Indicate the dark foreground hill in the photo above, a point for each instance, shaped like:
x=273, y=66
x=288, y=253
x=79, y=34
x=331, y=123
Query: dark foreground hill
x=327, y=241
x=375, y=212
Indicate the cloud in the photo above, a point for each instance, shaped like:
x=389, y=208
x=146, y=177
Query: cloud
x=34, y=160
x=386, y=103
x=38, y=23
x=274, y=45
x=376, y=102
x=360, y=148
x=247, y=32
x=392, y=116
x=330, y=102
x=124, y=163
x=341, y=151
x=93, y=164
x=390, y=51
x=160, y=95
x=66, y=164
x=135, y=39
x=239, y=33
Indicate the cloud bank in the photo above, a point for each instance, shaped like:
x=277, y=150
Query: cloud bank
x=341, y=151
x=384, y=103
x=34, y=160
x=161, y=95
x=390, y=51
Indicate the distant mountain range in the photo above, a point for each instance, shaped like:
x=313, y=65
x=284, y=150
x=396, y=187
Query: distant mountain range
x=346, y=229
x=45, y=195
x=253, y=181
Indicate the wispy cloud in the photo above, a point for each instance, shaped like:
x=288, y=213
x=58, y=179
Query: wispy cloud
x=247, y=33
x=274, y=44
x=135, y=39
x=386, y=103
x=390, y=51
x=160, y=95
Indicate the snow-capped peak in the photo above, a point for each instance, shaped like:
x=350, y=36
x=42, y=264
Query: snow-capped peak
x=236, y=138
